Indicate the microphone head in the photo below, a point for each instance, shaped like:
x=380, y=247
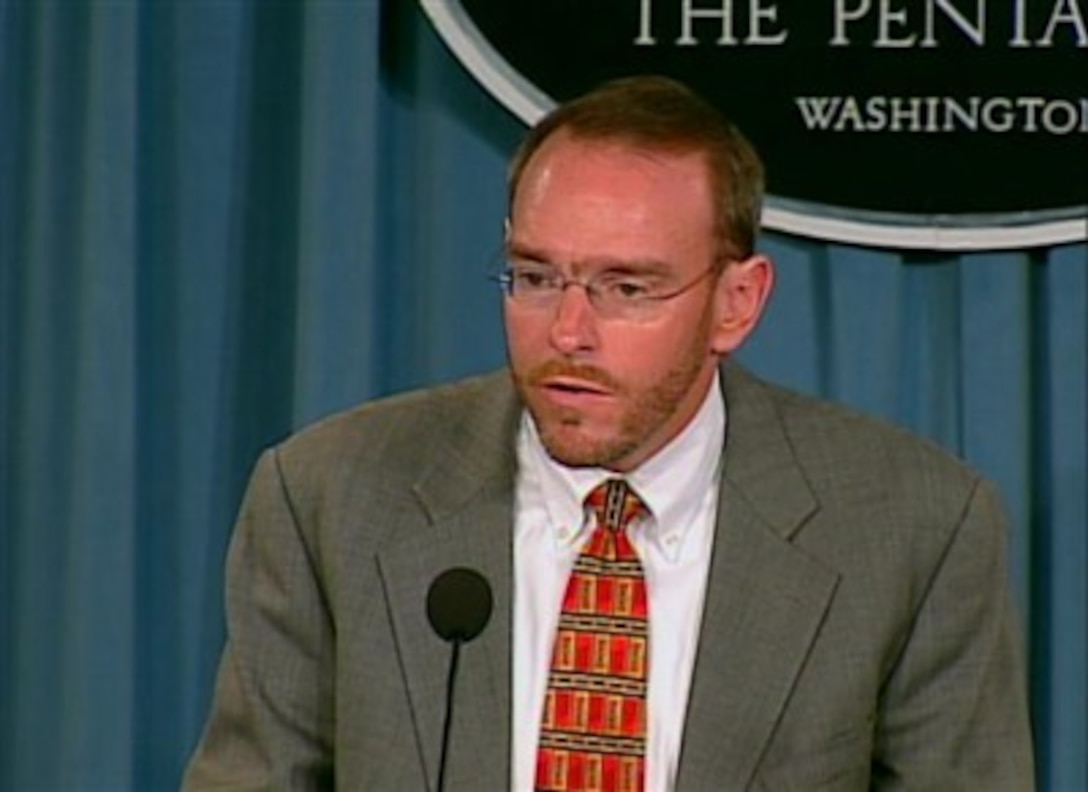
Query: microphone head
x=459, y=604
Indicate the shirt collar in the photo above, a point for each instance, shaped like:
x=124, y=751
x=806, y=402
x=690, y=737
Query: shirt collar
x=673, y=484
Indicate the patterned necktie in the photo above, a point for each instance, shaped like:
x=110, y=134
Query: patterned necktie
x=593, y=733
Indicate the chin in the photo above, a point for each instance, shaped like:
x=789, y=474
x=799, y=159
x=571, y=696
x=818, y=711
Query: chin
x=574, y=447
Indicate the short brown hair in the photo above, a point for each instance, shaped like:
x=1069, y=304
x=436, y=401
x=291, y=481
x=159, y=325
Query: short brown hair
x=661, y=114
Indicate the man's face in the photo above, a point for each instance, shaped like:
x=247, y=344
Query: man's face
x=611, y=392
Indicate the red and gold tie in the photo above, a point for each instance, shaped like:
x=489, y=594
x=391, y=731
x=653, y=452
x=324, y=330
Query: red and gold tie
x=593, y=733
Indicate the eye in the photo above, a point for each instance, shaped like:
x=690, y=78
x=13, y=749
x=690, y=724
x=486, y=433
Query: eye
x=626, y=289
x=530, y=279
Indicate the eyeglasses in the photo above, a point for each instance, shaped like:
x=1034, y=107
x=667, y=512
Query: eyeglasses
x=623, y=296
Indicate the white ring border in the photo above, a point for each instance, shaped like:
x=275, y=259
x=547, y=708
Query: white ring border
x=993, y=232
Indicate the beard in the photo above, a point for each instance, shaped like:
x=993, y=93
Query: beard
x=635, y=431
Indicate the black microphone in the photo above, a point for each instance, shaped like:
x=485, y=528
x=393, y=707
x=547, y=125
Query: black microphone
x=458, y=607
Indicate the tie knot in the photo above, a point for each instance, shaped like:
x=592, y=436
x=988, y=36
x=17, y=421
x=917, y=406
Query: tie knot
x=614, y=503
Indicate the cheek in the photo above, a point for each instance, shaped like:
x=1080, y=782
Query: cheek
x=648, y=354
x=526, y=337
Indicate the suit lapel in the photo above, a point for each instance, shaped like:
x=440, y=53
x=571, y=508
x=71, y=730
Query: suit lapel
x=467, y=497
x=765, y=599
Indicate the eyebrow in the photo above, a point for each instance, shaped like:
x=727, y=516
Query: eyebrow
x=648, y=266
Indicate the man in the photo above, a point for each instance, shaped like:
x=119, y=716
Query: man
x=814, y=600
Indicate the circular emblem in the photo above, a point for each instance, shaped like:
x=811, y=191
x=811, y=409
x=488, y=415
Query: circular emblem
x=942, y=124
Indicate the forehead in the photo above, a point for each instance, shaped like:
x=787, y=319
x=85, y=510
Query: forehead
x=612, y=199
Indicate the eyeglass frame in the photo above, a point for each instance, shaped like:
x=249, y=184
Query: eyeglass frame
x=593, y=288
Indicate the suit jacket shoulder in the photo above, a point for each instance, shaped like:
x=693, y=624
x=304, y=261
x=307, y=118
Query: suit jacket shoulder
x=458, y=416
x=844, y=456
x=448, y=439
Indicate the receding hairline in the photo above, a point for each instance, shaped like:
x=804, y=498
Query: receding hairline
x=659, y=114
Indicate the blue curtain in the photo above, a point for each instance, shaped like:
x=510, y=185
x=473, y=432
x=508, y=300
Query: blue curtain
x=220, y=220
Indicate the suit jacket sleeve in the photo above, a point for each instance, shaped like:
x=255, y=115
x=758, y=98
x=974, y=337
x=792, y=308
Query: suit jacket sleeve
x=272, y=718
x=954, y=711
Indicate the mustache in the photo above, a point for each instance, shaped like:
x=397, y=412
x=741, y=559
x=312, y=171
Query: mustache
x=562, y=368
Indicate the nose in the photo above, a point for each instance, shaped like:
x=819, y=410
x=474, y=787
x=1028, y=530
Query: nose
x=573, y=327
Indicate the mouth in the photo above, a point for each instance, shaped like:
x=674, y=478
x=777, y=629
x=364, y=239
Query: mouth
x=574, y=386
x=574, y=393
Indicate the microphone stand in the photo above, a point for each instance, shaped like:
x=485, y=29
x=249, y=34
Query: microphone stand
x=450, y=678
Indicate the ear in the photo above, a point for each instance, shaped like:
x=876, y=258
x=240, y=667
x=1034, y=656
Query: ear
x=742, y=292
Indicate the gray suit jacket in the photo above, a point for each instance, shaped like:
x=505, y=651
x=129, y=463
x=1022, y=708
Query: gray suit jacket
x=857, y=631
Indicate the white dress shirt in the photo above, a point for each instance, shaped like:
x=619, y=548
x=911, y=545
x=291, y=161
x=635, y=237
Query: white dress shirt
x=679, y=485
